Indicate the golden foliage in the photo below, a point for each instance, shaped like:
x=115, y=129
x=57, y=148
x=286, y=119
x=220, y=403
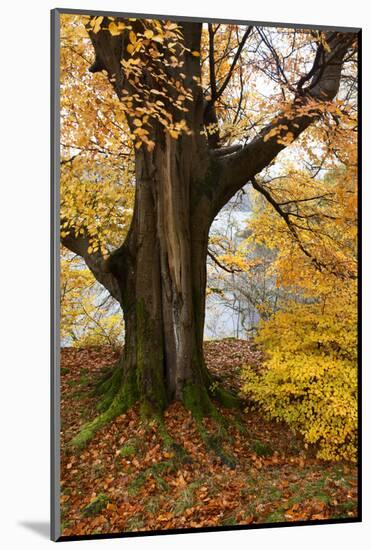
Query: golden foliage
x=83, y=324
x=309, y=378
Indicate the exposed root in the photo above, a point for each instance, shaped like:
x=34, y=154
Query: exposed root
x=101, y=385
x=170, y=444
x=197, y=400
x=109, y=389
x=226, y=398
x=117, y=395
x=120, y=396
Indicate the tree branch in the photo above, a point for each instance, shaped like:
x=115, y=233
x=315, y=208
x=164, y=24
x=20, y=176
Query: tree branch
x=222, y=266
x=212, y=63
x=233, y=64
x=237, y=169
x=292, y=227
x=95, y=262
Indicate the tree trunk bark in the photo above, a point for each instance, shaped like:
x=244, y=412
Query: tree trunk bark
x=162, y=278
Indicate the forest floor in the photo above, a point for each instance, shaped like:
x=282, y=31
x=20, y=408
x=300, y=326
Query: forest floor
x=125, y=480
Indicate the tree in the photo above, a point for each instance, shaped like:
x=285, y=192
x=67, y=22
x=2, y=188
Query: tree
x=188, y=163
x=309, y=376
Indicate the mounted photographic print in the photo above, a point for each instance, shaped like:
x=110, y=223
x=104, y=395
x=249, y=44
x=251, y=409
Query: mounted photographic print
x=205, y=284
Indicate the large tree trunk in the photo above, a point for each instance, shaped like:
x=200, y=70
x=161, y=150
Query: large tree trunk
x=161, y=271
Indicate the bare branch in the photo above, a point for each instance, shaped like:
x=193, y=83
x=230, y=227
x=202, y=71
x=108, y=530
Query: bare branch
x=233, y=64
x=222, y=266
x=212, y=64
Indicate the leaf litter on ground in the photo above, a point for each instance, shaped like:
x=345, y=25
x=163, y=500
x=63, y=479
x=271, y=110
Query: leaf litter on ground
x=125, y=479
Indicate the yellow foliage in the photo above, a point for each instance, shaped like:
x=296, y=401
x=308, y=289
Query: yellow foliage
x=309, y=379
x=82, y=323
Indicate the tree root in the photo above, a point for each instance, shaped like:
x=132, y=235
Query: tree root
x=196, y=399
x=117, y=395
x=169, y=442
x=214, y=443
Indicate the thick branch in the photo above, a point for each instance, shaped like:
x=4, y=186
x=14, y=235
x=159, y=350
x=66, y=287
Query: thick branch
x=238, y=168
x=95, y=262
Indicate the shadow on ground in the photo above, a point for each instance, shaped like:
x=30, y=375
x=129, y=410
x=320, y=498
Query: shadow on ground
x=42, y=528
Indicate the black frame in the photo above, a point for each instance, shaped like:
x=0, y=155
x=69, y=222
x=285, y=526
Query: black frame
x=55, y=274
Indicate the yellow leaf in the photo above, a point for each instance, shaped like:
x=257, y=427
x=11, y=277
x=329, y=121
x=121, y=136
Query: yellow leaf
x=137, y=122
x=171, y=26
x=148, y=33
x=132, y=37
x=113, y=29
x=97, y=24
x=140, y=131
x=130, y=48
x=196, y=54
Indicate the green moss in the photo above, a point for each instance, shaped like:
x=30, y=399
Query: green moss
x=103, y=380
x=229, y=520
x=110, y=388
x=94, y=507
x=133, y=446
x=347, y=506
x=135, y=523
x=276, y=517
x=186, y=498
x=197, y=400
x=226, y=398
x=127, y=450
x=156, y=471
x=152, y=505
x=149, y=359
x=123, y=400
x=261, y=448
x=73, y=383
x=135, y=486
x=214, y=443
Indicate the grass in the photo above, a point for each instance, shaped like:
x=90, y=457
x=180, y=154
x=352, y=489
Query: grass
x=152, y=505
x=156, y=471
x=261, y=448
x=131, y=448
x=96, y=506
x=186, y=498
x=229, y=520
x=137, y=483
x=276, y=516
x=135, y=523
